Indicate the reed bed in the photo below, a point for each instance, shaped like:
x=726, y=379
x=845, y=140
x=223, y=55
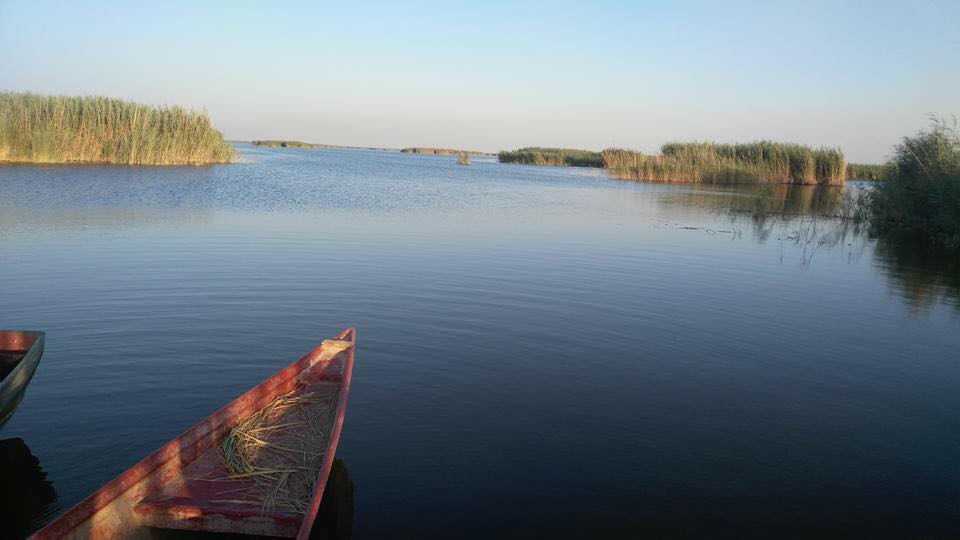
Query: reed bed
x=64, y=129
x=559, y=157
x=281, y=449
x=621, y=159
x=863, y=171
x=919, y=195
x=710, y=163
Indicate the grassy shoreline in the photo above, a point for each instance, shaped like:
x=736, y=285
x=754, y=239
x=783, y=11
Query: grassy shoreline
x=919, y=194
x=101, y=130
x=749, y=163
x=864, y=171
x=558, y=157
x=705, y=163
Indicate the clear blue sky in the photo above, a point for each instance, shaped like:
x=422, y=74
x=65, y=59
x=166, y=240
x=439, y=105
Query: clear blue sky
x=493, y=75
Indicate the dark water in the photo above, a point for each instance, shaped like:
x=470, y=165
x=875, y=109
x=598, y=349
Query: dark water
x=542, y=351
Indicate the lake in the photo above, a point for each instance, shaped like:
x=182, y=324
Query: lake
x=541, y=351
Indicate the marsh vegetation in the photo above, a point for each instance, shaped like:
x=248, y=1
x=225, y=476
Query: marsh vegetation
x=706, y=163
x=919, y=194
x=712, y=163
x=864, y=171
x=560, y=157
x=63, y=129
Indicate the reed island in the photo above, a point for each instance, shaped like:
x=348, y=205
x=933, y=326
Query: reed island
x=750, y=163
x=558, y=157
x=762, y=162
x=916, y=198
x=65, y=129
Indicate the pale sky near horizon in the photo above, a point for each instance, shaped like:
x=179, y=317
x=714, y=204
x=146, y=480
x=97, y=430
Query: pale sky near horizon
x=498, y=75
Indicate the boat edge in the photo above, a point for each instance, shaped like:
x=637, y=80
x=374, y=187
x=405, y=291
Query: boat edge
x=320, y=487
x=90, y=505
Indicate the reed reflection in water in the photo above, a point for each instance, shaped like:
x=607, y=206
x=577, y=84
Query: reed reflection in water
x=744, y=361
x=807, y=219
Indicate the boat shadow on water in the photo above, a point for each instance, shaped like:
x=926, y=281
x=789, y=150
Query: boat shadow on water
x=27, y=498
x=335, y=518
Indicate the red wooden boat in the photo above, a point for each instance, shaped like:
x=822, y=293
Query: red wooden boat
x=189, y=484
x=20, y=352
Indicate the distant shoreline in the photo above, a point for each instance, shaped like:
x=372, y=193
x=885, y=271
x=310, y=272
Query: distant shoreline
x=270, y=143
x=761, y=162
x=444, y=151
x=424, y=150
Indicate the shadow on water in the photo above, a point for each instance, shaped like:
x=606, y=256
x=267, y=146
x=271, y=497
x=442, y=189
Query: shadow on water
x=27, y=498
x=335, y=517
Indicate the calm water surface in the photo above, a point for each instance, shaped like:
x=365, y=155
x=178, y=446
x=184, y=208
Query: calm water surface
x=542, y=351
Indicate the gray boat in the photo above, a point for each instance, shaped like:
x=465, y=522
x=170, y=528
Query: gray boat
x=20, y=352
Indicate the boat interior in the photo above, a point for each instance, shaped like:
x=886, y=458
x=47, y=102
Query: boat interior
x=13, y=347
x=8, y=361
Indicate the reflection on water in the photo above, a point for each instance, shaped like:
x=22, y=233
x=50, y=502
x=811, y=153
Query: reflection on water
x=732, y=361
x=923, y=276
x=15, y=220
x=807, y=219
x=27, y=498
x=765, y=201
x=802, y=220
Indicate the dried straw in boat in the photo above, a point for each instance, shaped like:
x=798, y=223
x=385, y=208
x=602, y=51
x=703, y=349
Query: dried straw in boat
x=280, y=450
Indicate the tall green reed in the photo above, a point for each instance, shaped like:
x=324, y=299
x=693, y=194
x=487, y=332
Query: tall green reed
x=64, y=129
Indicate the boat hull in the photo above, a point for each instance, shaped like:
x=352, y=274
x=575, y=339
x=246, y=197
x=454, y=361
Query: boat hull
x=20, y=352
x=123, y=508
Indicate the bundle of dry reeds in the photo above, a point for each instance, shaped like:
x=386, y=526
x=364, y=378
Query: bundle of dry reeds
x=281, y=449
